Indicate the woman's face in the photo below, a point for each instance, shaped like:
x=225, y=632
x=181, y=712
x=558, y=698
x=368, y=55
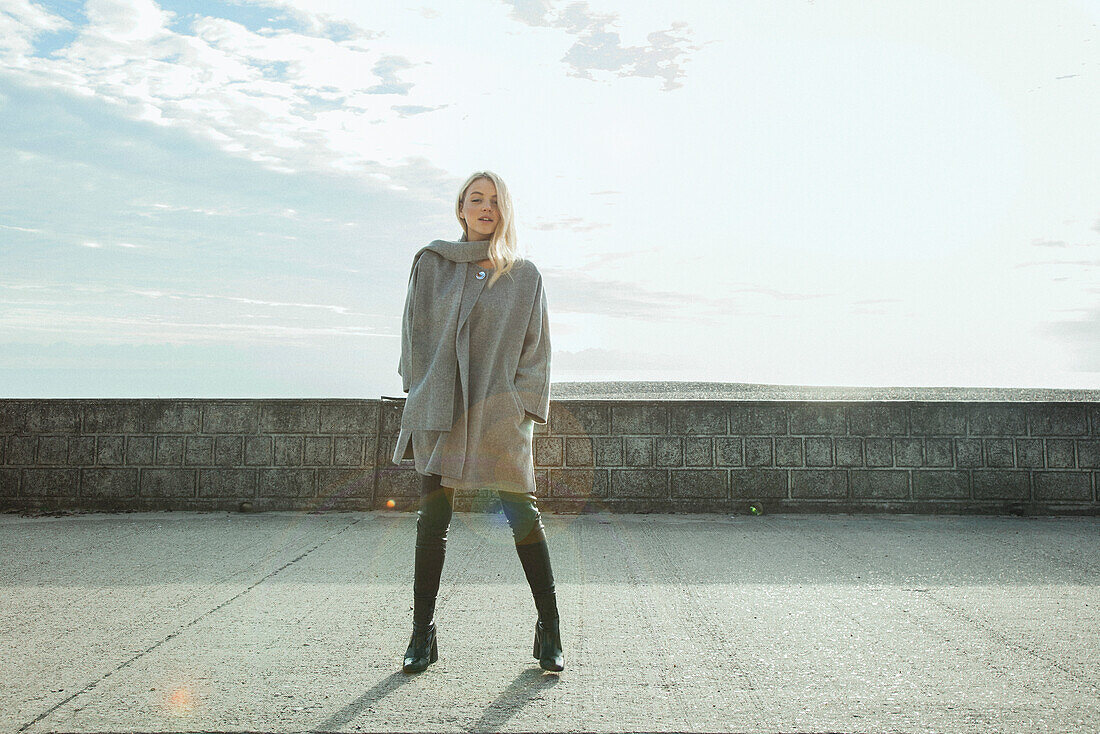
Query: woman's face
x=480, y=205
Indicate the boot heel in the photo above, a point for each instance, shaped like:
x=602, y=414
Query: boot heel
x=423, y=650
x=537, y=652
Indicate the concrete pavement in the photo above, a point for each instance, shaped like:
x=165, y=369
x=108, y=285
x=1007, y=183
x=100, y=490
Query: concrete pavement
x=294, y=622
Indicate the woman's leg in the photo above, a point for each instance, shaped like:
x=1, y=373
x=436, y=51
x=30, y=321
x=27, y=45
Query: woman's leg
x=526, y=522
x=432, y=521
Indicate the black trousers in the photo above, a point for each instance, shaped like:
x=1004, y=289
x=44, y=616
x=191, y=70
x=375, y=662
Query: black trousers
x=437, y=505
x=432, y=522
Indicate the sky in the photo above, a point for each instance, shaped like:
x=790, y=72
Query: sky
x=222, y=199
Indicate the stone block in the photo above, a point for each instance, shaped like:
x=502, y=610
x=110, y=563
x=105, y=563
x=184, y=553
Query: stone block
x=849, y=451
x=579, y=451
x=669, y=450
x=288, y=450
x=390, y=416
x=258, y=451
x=999, y=452
x=169, y=450
x=317, y=451
x=937, y=419
x=353, y=416
x=968, y=452
x=170, y=416
x=579, y=418
x=695, y=419
x=400, y=485
x=167, y=483
x=548, y=450
x=945, y=485
x=54, y=416
x=286, y=482
x=728, y=451
x=1009, y=485
x=879, y=484
x=609, y=450
x=113, y=416
x=289, y=416
x=105, y=483
x=879, y=451
x=9, y=482
x=1067, y=486
x=789, y=451
x=820, y=418
x=1057, y=419
x=61, y=482
x=198, y=451
x=1060, y=453
x=639, y=451
x=228, y=450
x=340, y=483
x=699, y=483
x=52, y=450
x=870, y=419
x=649, y=483
x=1029, y=452
x=82, y=451
x=348, y=450
x=748, y=483
x=227, y=483
x=819, y=451
x=579, y=483
x=224, y=416
x=819, y=483
x=139, y=450
x=997, y=419
x=758, y=418
x=758, y=450
x=110, y=450
x=639, y=419
x=938, y=452
x=908, y=452
x=698, y=451
x=20, y=450
x=1088, y=454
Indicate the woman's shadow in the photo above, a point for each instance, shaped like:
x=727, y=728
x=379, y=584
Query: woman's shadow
x=527, y=686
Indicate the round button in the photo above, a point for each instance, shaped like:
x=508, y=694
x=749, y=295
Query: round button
x=480, y=274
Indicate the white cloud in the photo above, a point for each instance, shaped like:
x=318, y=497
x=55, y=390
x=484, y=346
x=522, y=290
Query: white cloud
x=20, y=22
x=126, y=20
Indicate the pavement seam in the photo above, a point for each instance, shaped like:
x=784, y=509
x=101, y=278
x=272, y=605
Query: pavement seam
x=636, y=583
x=155, y=645
x=928, y=595
x=690, y=611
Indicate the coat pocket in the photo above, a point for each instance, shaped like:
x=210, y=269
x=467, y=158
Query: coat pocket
x=518, y=403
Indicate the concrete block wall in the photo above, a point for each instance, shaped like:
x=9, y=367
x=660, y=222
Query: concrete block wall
x=627, y=456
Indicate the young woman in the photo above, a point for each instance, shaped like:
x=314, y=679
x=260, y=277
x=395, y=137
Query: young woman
x=475, y=362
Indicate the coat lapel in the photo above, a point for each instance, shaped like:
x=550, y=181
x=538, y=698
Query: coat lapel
x=470, y=292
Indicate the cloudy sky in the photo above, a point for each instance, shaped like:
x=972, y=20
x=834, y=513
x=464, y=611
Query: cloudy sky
x=220, y=199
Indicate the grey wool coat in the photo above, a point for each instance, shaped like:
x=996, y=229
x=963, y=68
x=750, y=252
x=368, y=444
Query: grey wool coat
x=475, y=362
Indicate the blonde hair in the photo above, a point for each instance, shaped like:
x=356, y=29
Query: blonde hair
x=503, y=248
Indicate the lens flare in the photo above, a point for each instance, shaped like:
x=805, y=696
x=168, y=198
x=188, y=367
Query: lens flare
x=180, y=701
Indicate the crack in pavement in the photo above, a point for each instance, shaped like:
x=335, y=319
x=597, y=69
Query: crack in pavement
x=192, y=623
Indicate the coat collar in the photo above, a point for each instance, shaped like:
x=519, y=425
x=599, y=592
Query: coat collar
x=461, y=251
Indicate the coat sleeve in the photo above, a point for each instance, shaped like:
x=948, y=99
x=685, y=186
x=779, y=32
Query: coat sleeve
x=404, y=365
x=533, y=374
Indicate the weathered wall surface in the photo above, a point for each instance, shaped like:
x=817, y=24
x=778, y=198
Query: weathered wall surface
x=621, y=455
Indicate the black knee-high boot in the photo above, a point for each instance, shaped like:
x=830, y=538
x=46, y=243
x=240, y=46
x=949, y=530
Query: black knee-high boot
x=535, y=558
x=433, y=519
